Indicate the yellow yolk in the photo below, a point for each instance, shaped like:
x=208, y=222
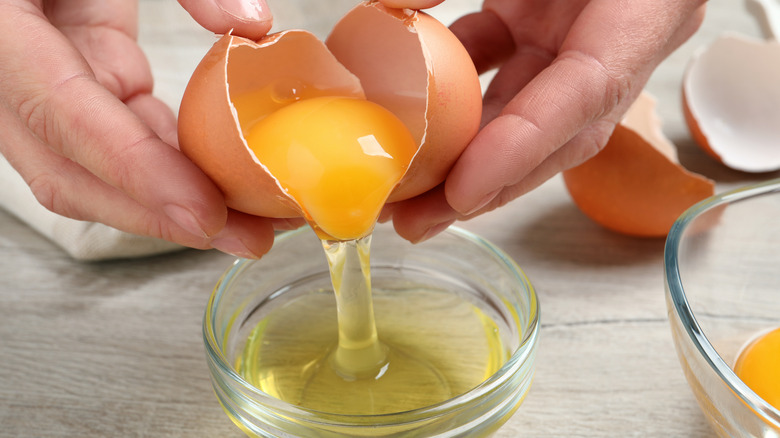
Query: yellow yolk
x=338, y=157
x=758, y=365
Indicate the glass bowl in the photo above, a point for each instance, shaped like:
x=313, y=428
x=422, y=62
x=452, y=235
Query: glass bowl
x=722, y=272
x=456, y=263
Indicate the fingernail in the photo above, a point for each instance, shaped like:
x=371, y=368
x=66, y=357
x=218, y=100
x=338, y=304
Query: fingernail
x=434, y=230
x=249, y=10
x=484, y=201
x=234, y=246
x=185, y=219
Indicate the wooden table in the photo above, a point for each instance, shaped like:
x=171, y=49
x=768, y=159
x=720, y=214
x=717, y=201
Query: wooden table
x=114, y=349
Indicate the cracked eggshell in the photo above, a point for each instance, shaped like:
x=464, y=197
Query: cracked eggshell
x=236, y=83
x=404, y=60
x=415, y=67
x=731, y=102
x=634, y=185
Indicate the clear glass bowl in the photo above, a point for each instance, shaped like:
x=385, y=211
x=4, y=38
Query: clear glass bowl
x=722, y=271
x=456, y=261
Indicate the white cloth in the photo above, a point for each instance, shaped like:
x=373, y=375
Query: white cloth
x=88, y=241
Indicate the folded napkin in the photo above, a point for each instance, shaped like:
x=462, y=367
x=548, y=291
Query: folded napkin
x=88, y=241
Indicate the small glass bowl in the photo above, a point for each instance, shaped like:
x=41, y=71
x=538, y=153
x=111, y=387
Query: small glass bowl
x=455, y=260
x=722, y=271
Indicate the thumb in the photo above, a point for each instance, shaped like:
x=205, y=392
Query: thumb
x=248, y=18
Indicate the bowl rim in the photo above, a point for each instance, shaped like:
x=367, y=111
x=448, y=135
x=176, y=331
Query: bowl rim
x=520, y=357
x=681, y=306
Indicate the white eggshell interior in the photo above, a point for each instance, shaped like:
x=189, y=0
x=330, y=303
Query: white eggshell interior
x=732, y=88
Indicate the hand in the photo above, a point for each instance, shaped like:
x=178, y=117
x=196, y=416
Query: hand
x=567, y=72
x=81, y=126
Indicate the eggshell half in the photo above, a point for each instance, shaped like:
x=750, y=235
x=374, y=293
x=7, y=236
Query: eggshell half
x=731, y=102
x=634, y=185
x=415, y=66
x=211, y=112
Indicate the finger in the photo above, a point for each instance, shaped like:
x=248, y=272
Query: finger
x=592, y=78
x=421, y=218
x=512, y=77
x=485, y=37
x=245, y=235
x=424, y=216
x=105, y=33
x=544, y=115
x=411, y=4
x=247, y=18
x=286, y=224
x=120, y=15
x=106, y=38
x=115, y=59
x=65, y=187
x=157, y=115
x=688, y=28
x=386, y=215
x=78, y=118
x=580, y=148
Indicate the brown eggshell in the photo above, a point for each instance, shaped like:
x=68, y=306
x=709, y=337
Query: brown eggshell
x=631, y=186
x=405, y=60
x=413, y=65
x=210, y=124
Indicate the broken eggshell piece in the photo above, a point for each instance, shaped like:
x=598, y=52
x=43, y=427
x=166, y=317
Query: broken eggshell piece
x=634, y=185
x=731, y=102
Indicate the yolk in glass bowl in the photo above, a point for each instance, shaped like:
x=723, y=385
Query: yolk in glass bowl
x=758, y=365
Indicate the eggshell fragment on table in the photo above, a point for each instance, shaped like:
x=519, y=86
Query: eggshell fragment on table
x=731, y=102
x=635, y=185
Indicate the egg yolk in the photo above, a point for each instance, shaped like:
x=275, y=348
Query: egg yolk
x=758, y=365
x=338, y=157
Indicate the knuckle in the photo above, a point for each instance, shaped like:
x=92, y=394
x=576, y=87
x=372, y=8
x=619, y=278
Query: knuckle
x=32, y=112
x=588, y=149
x=613, y=82
x=37, y=110
x=116, y=166
x=152, y=225
x=616, y=88
x=587, y=144
x=45, y=189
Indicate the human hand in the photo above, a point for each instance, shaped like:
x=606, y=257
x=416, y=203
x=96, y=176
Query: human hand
x=82, y=128
x=567, y=72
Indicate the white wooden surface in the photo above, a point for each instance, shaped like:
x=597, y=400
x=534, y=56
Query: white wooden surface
x=114, y=349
